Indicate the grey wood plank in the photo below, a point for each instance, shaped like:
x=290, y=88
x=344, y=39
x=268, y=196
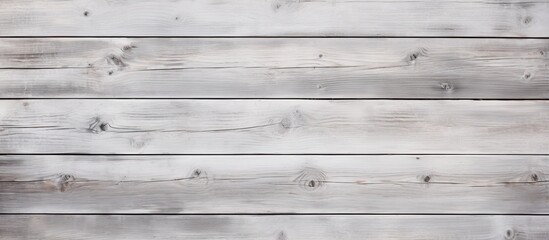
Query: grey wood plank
x=274, y=68
x=274, y=126
x=513, y=18
x=274, y=184
x=274, y=227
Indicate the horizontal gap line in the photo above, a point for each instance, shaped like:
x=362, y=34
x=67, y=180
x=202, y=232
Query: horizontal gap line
x=274, y=154
x=278, y=214
x=279, y=99
x=198, y=36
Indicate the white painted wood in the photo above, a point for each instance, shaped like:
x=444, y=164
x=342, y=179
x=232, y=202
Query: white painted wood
x=274, y=126
x=274, y=227
x=274, y=184
x=274, y=68
x=513, y=18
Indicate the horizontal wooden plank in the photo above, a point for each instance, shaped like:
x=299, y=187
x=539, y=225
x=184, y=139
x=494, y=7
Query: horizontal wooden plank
x=274, y=126
x=274, y=227
x=274, y=68
x=274, y=184
x=513, y=18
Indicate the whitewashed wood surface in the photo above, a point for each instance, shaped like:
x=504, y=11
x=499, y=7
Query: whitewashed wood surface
x=274, y=126
x=274, y=68
x=415, y=184
x=274, y=119
x=273, y=227
x=510, y=18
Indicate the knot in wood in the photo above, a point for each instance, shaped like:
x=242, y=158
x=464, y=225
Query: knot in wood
x=527, y=20
x=413, y=56
x=295, y=120
x=447, y=87
x=527, y=76
x=425, y=178
x=198, y=177
x=116, y=60
x=97, y=125
x=282, y=236
x=510, y=234
x=311, y=179
x=196, y=173
x=534, y=177
x=64, y=181
x=128, y=47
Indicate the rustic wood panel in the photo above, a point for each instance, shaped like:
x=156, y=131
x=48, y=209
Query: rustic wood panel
x=274, y=68
x=274, y=126
x=513, y=18
x=279, y=184
x=274, y=227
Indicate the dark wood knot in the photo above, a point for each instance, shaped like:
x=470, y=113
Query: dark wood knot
x=509, y=234
x=527, y=76
x=198, y=177
x=311, y=179
x=412, y=57
x=527, y=20
x=534, y=177
x=97, y=125
x=116, y=60
x=196, y=173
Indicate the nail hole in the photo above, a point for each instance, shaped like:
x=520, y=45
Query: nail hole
x=427, y=179
x=320, y=55
x=86, y=13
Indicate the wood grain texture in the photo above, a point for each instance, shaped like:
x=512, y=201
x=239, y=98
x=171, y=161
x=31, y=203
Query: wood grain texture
x=274, y=68
x=274, y=126
x=274, y=227
x=513, y=18
x=274, y=184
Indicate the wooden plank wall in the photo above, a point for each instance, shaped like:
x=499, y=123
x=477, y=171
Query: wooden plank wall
x=274, y=119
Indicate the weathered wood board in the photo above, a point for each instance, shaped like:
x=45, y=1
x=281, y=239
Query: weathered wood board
x=273, y=227
x=274, y=119
x=274, y=184
x=274, y=126
x=274, y=68
x=512, y=18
